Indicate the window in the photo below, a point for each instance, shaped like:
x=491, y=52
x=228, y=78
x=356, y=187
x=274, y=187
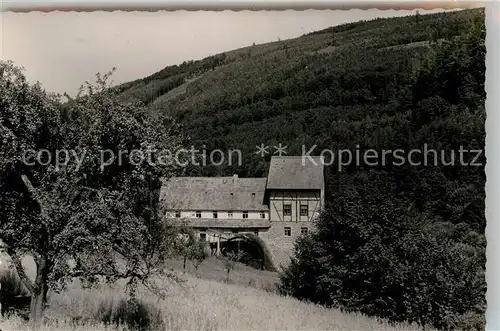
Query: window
x=203, y=236
x=262, y=214
x=215, y=214
x=230, y=214
x=198, y=214
x=178, y=214
x=288, y=231
x=304, y=210
x=256, y=233
x=245, y=214
x=287, y=210
x=303, y=230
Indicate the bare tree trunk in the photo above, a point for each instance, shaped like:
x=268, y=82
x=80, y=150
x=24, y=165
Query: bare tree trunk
x=37, y=307
x=40, y=287
x=39, y=294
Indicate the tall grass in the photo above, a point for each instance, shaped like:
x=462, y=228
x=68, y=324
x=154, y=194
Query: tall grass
x=197, y=304
x=133, y=313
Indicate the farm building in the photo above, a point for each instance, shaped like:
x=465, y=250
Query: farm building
x=274, y=210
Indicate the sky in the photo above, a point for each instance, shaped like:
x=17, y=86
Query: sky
x=63, y=49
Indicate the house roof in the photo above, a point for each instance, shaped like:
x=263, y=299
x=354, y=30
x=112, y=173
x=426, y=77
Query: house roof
x=295, y=172
x=214, y=193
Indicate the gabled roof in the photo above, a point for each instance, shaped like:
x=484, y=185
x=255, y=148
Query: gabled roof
x=214, y=193
x=295, y=172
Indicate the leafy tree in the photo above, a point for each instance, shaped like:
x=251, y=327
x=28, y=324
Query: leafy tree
x=184, y=242
x=197, y=255
x=230, y=260
x=79, y=218
x=378, y=255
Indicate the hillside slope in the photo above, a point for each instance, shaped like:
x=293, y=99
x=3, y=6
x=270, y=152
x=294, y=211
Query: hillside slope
x=293, y=91
x=200, y=304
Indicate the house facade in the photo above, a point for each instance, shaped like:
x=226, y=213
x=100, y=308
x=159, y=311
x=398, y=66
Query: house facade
x=277, y=208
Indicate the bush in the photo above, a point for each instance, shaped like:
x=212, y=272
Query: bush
x=271, y=287
x=11, y=285
x=468, y=322
x=14, y=297
x=133, y=313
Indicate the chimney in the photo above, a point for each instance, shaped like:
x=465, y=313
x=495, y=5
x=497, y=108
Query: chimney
x=235, y=181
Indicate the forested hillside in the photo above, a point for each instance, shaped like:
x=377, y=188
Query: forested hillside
x=299, y=91
x=405, y=242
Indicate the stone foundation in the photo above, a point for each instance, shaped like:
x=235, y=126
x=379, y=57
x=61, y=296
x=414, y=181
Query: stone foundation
x=280, y=245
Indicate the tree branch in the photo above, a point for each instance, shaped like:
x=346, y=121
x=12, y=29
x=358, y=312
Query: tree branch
x=117, y=275
x=45, y=216
x=20, y=270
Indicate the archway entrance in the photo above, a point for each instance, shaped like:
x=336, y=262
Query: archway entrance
x=252, y=249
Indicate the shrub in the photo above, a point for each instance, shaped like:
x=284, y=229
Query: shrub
x=271, y=287
x=11, y=285
x=133, y=313
x=14, y=297
x=470, y=321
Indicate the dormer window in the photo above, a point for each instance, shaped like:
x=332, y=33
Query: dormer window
x=245, y=214
x=230, y=214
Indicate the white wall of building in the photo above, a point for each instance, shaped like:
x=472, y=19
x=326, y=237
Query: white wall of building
x=221, y=214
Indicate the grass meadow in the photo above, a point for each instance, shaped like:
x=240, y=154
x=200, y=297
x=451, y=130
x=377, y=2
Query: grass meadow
x=203, y=302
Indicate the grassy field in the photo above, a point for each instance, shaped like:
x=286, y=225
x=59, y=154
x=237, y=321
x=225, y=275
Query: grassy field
x=204, y=304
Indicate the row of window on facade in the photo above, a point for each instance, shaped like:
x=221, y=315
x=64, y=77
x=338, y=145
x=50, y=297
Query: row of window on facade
x=215, y=214
x=287, y=211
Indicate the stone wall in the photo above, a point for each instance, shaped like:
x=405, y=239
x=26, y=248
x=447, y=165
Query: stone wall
x=280, y=245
